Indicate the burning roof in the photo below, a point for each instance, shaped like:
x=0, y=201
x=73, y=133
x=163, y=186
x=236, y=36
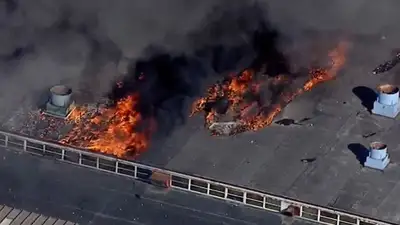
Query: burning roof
x=120, y=129
x=235, y=89
x=112, y=130
x=158, y=87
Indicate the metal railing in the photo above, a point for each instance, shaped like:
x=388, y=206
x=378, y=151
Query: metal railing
x=219, y=190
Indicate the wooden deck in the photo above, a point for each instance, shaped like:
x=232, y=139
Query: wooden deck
x=12, y=216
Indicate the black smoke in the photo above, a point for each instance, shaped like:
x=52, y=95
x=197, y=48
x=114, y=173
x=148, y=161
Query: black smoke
x=167, y=81
x=80, y=43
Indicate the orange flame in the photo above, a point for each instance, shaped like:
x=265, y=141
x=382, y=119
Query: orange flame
x=233, y=89
x=111, y=130
x=317, y=76
x=235, y=92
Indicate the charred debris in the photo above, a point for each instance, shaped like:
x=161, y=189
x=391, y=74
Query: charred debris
x=387, y=65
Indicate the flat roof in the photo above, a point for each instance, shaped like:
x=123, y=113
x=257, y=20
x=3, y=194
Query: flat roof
x=271, y=159
x=85, y=196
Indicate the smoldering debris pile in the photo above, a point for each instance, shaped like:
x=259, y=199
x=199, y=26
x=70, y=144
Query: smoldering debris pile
x=387, y=65
x=243, y=96
x=33, y=122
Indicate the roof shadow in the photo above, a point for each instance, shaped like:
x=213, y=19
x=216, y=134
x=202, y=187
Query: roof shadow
x=360, y=151
x=366, y=95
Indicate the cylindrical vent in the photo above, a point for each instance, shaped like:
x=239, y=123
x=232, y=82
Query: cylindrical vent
x=388, y=94
x=378, y=150
x=60, y=95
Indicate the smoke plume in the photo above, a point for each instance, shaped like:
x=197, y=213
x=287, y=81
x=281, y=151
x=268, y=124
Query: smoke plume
x=178, y=45
x=80, y=43
x=231, y=38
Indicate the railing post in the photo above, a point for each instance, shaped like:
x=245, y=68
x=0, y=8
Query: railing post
x=208, y=188
x=189, y=184
x=244, y=197
x=301, y=211
x=135, y=171
x=97, y=162
x=264, y=202
x=318, y=215
x=25, y=145
x=116, y=166
x=226, y=193
x=80, y=159
x=6, y=141
x=62, y=154
x=338, y=220
x=44, y=149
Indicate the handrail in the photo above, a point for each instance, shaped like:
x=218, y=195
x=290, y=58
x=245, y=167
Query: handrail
x=181, y=181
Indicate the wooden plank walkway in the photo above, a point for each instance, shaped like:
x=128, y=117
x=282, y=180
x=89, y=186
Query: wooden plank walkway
x=12, y=216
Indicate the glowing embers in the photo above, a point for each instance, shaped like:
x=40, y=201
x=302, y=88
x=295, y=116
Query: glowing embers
x=112, y=129
x=227, y=101
x=238, y=97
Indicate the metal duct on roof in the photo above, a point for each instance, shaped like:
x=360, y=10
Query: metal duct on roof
x=388, y=94
x=60, y=95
